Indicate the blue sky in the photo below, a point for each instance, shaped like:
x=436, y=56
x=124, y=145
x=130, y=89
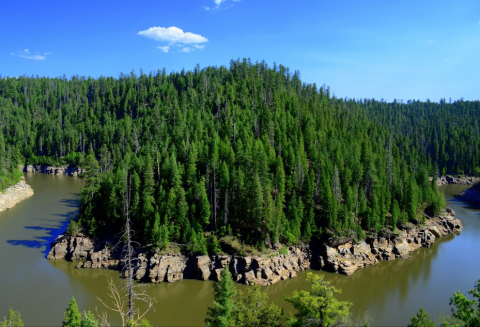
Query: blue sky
x=361, y=49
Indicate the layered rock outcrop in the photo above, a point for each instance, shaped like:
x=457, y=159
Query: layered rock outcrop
x=14, y=194
x=343, y=258
x=44, y=169
x=460, y=180
x=348, y=257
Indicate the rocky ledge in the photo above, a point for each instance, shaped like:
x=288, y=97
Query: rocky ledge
x=343, y=258
x=14, y=194
x=348, y=257
x=44, y=169
x=460, y=180
x=471, y=195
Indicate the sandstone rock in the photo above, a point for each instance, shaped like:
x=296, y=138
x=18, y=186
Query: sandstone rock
x=203, y=267
x=434, y=230
x=428, y=239
x=361, y=247
x=267, y=273
x=217, y=275
x=14, y=194
x=250, y=278
x=450, y=211
x=401, y=246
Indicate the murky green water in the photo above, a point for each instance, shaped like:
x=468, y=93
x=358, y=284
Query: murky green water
x=40, y=289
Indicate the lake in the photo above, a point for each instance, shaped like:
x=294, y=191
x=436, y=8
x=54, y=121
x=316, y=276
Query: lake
x=391, y=291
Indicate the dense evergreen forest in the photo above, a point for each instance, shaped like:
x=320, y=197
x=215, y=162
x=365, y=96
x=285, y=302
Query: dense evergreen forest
x=248, y=151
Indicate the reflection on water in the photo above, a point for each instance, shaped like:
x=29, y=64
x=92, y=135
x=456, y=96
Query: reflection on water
x=40, y=289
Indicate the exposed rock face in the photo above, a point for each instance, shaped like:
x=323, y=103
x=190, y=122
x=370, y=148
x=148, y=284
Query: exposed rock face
x=73, y=249
x=347, y=258
x=44, y=169
x=263, y=270
x=14, y=194
x=464, y=180
x=471, y=195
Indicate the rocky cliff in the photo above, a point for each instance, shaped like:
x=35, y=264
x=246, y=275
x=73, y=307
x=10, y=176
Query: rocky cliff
x=348, y=257
x=344, y=258
x=14, y=194
x=64, y=170
x=460, y=180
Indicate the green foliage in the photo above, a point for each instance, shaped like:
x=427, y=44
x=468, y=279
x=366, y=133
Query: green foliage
x=421, y=319
x=89, y=320
x=73, y=317
x=252, y=309
x=319, y=307
x=142, y=323
x=221, y=312
x=468, y=311
x=284, y=251
x=73, y=228
x=248, y=147
x=14, y=319
x=214, y=245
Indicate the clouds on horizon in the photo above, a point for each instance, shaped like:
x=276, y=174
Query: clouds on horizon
x=28, y=55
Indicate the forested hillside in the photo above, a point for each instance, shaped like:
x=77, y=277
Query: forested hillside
x=247, y=150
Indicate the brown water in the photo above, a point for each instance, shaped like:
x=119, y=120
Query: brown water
x=40, y=289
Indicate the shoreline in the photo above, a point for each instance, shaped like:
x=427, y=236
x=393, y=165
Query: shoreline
x=15, y=194
x=455, y=179
x=264, y=270
x=44, y=169
x=471, y=196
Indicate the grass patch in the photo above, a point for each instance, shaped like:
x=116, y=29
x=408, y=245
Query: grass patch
x=232, y=245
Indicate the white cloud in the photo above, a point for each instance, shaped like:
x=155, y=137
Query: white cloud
x=164, y=49
x=199, y=46
x=28, y=55
x=187, y=49
x=219, y=5
x=173, y=35
x=34, y=57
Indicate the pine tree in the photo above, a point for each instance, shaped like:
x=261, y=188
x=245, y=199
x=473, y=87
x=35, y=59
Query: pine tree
x=319, y=307
x=73, y=318
x=220, y=313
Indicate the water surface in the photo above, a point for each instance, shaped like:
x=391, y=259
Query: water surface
x=40, y=289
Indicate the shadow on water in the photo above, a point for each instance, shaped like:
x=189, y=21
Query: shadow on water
x=51, y=232
x=72, y=203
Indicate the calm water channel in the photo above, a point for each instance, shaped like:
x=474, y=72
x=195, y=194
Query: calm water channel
x=390, y=291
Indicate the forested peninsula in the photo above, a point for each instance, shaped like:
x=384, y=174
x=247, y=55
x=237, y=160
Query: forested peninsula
x=239, y=159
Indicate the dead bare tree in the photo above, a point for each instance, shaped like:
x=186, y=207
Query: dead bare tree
x=124, y=297
x=119, y=301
